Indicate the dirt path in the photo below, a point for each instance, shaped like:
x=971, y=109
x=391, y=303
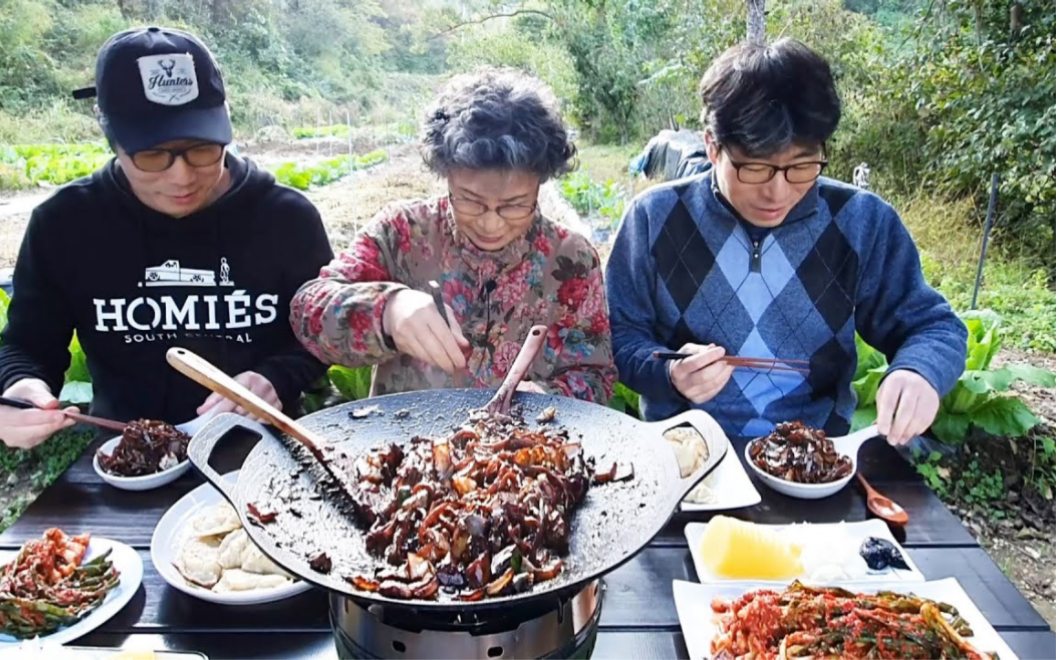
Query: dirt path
x=348, y=204
x=14, y=215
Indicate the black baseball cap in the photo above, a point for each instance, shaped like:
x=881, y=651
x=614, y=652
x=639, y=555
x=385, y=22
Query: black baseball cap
x=158, y=84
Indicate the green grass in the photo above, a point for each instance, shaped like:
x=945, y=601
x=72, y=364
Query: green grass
x=948, y=233
x=303, y=132
x=606, y=161
x=1021, y=295
x=60, y=121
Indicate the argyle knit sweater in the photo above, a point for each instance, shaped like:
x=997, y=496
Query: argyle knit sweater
x=685, y=270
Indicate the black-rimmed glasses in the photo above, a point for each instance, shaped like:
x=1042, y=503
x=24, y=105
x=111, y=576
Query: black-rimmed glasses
x=755, y=173
x=159, y=160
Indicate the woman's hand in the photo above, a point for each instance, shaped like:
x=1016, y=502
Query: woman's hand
x=417, y=328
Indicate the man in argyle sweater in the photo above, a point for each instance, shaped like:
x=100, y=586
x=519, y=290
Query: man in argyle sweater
x=760, y=257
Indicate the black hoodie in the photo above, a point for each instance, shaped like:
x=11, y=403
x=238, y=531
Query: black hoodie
x=134, y=282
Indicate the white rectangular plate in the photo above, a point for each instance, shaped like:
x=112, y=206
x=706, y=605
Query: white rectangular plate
x=694, y=531
x=730, y=484
x=30, y=650
x=693, y=602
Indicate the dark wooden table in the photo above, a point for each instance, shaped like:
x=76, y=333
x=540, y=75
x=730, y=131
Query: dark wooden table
x=639, y=619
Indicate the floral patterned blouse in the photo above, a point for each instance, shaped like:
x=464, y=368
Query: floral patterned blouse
x=549, y=276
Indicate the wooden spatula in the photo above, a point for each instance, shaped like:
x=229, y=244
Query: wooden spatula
x=207, y=375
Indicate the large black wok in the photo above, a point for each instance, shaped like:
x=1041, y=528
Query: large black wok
x=615, y=521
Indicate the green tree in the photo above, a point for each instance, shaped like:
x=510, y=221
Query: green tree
x=967, y=96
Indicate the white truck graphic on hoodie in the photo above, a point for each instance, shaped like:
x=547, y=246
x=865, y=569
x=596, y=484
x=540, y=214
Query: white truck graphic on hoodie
x=171, y=274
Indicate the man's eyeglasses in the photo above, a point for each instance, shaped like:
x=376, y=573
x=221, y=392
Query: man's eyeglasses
x=472, y=208
x=804, y=172
x=159, y=160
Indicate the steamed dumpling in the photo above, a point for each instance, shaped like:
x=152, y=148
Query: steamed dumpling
x=704, y=492
x=239, y=580
x=198, y=561
x=218, y=519
x=254, y=561
x=232, y=548
x=690, y=449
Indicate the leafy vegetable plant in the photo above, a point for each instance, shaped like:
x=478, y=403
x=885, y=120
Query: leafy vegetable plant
x=978, y=399
x=313, y=175
x=588, y=197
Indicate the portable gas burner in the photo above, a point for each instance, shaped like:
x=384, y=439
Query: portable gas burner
x=541, y=629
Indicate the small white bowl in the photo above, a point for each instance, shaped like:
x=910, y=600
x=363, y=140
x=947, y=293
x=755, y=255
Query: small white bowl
x=144, y=482
x=798, y=490
x=148, y=481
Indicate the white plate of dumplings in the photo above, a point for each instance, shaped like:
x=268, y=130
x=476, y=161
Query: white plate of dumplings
x=200, y=548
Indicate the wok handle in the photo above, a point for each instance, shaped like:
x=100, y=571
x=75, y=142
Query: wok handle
x=716, y=443
x=204, y=442
x=207, y=375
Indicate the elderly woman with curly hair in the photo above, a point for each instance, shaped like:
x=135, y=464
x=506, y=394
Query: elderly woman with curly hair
x=495, y=136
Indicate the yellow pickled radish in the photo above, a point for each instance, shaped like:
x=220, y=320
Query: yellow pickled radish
x=734, y=548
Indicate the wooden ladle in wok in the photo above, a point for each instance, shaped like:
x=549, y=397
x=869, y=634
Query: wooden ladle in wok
x=500, y=403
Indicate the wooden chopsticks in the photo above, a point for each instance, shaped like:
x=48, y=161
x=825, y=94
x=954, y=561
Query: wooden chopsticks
x=461, y=379
x=769, y=364
x=78, y=417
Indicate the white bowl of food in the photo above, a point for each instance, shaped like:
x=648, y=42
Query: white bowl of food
x=811, y=466
x=149, y=454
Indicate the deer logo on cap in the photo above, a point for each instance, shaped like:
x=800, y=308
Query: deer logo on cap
x=167, y=66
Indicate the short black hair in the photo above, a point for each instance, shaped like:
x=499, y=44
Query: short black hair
x=764, y=99
x=497, y=119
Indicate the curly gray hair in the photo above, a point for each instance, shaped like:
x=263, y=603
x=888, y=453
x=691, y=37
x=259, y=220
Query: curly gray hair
x=497, y=119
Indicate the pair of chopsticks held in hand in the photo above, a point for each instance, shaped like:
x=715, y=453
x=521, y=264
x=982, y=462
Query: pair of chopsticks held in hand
x=766, y=364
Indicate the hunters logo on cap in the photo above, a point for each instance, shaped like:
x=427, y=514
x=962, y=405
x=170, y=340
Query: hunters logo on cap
x=155, y=85
x=169, y=79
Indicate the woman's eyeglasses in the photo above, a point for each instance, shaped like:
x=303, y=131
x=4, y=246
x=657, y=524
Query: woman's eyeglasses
x=472, y=208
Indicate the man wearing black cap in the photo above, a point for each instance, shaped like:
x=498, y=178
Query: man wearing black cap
x=173, y=242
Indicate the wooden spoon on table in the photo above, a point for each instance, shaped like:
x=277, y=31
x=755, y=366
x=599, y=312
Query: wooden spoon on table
x=881, y=506
x=108, y=424
x=209, y=376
